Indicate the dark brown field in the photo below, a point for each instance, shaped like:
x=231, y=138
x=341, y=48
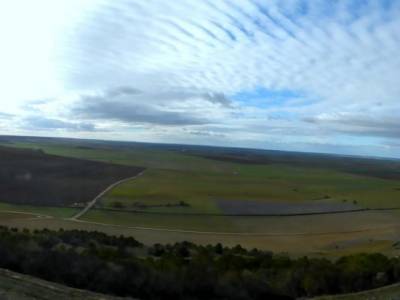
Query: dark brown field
x=33, y=177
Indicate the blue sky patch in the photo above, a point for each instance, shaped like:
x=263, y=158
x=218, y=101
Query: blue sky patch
x=262, y=97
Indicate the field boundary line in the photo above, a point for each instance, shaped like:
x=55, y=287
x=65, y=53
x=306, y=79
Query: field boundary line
x=93, y=202
x=333, y=212
x=273, y=234
x=37, y=215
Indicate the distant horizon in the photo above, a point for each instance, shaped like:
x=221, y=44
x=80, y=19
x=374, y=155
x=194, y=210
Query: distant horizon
x=202, y=145
x=310, y=76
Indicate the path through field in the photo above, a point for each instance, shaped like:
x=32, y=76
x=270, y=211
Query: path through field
x=271, y=234
x=93, y=202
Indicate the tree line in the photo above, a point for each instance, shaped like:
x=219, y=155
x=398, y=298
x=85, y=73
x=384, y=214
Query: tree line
x=122, y=266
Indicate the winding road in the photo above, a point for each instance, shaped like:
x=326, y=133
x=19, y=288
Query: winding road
x=93, y=202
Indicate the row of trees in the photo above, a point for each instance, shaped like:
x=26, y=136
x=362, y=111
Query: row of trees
x=122, y=266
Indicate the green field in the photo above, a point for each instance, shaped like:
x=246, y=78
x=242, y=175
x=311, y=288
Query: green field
x=173, y=177
x=248, y=224
x=58, y=212
x=263, y=183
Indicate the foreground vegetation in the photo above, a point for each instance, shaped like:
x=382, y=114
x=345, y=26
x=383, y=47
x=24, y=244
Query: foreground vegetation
x=124, y=267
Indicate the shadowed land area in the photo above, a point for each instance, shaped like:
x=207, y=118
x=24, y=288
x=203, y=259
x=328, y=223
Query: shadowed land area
x=391, y=292
x=16, y=286
x=33, y=177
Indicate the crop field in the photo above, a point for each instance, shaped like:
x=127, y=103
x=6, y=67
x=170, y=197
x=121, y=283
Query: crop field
x=6, y=216
x=304, y=240
x=176, y=181
x=57, y=212
x=163, y=190
x=254, y=199
x=33, y=177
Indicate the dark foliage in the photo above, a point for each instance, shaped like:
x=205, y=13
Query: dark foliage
x=120, y=266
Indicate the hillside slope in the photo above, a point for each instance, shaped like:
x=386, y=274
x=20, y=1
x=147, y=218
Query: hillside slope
x=15, y=286
x=391, y=292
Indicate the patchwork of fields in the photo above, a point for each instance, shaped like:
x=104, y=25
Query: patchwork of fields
x=185, y=195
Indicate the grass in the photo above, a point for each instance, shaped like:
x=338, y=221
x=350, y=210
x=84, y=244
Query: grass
x=57, y=212
x=268, y=225
x=263, y=183
x=6, y=216
x=149, y=158
x=173, y=176
x=295, y=245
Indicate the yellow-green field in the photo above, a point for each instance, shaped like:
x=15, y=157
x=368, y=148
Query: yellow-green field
x=262, y=183
x=59, y=212
x=329, y=236
x=174, y=177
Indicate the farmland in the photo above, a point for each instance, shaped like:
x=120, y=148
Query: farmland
x=33, y=177
x=186, y=207
x=205, y=194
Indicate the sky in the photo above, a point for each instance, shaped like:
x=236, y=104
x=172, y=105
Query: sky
x=297, y=75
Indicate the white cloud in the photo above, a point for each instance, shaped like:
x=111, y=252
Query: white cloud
x=342, y=57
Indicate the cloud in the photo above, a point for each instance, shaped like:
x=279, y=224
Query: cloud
x=361, y=123
x=169, y=108
x=6, y=115
x=206, y=133
x=43, y=123
x=251, y=72
x=228, y=47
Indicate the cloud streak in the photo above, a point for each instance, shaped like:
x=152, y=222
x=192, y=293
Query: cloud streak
x=169, y=108
x=245, y=72
x=42, y=123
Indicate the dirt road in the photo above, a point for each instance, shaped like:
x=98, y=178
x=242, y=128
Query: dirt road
x=93, y=202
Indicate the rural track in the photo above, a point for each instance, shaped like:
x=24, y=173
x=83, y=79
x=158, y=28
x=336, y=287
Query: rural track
x=36, y=215
x=278, y=215
x=93, y=202
x=271, y=234
x=220, y=233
